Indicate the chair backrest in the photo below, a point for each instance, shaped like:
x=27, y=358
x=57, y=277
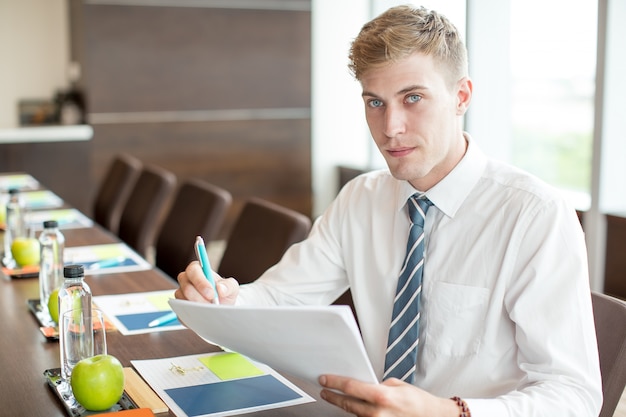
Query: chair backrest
x=610, y=320
x=114, y=190
x=144, y=208
x=198, y=209
x=260, y=236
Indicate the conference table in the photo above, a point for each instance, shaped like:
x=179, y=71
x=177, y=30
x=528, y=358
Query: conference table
x=25, y=353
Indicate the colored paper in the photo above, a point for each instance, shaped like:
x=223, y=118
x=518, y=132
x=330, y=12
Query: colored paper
x=106, y=259
x=190, y=387
x=231, y=395
x=66, y=218
x=140, y=321
x=230, y=366
x=19, y=181
x=131, y=313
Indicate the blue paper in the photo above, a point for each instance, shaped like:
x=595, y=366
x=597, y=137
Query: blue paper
x=230, y=395
x=140, y=321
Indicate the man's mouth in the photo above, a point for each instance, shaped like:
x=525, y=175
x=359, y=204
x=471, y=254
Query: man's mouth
x=399, y=152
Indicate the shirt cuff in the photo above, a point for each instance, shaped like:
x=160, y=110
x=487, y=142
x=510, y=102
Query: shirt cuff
x=487, y=408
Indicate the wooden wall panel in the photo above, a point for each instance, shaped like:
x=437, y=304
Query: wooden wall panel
x=188, y=58
x=175, y=63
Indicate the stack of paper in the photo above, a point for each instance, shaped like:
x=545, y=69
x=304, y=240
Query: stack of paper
x=304, y=341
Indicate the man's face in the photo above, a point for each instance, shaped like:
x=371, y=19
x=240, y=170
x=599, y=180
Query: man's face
x=415, y=118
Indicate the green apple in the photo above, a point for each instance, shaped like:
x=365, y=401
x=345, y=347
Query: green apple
x=25, y=251
x=53, y=305
x=98, y=382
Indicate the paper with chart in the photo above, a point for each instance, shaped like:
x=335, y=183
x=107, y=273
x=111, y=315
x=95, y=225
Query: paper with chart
x=37, y=200
x=106, y=259
x=18, y=181
x=304, y=341
x=218, y=384
x=66, y=218
x=131, y=313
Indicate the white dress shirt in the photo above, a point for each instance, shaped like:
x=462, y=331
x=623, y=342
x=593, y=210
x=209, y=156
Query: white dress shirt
x=506, y=319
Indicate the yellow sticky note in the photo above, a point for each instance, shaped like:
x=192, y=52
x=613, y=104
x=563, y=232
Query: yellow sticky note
x=108, y=251
x=160, y=301
x=230, y=366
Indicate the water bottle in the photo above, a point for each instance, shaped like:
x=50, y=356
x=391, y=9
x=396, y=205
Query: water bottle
x=51, y=243
x=74, y=295
x=15, y=225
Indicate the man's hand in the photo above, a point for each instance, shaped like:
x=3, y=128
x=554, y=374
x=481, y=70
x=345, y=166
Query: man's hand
x=390, y=398
x=195, y=287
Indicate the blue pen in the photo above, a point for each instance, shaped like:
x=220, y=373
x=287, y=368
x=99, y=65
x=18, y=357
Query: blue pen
x=167, y=318
x=203, y=258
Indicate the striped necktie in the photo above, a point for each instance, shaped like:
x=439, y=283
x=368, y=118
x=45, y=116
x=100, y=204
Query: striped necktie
x=401, y=355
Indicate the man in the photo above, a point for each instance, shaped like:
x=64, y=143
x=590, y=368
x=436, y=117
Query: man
x=505, y=318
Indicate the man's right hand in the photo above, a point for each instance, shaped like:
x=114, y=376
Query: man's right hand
x=195, y=287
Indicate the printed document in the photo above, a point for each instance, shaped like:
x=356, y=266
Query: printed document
x=304, y=341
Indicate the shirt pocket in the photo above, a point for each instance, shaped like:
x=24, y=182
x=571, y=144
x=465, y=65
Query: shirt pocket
x=456, y=319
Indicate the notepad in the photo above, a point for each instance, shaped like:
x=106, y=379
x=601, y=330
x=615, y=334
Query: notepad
x=106, y=259
x=42, y=199
x=18, y=181
x=203, y=385
x=131, y=313
x=66, y=219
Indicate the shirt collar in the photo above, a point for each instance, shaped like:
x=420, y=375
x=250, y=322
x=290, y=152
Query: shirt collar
x=449, y=193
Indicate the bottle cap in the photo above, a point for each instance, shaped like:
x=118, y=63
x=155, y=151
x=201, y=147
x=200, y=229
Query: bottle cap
x=50, y=224
x=73, y=271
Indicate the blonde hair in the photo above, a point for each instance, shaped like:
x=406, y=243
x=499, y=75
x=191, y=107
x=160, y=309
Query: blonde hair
x=404, y=30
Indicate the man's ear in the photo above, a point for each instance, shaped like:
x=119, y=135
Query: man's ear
x=464, y=95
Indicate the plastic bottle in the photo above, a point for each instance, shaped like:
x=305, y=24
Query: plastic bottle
x=15, y=224
x=73, y=295
x=52, y=244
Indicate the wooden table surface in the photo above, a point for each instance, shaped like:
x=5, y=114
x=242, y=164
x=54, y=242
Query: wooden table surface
x=25, y=353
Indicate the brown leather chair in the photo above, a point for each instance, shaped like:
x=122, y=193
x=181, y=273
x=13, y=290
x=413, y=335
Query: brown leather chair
x=144, y=208
x=114, y=191
x=260, y=236
x=610, y=319
x=198, y=210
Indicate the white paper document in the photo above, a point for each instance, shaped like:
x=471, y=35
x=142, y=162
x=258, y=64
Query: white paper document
x=132, y=313
x=108, y=258
x=218, y=384
x=66, y=219
x=303, y=341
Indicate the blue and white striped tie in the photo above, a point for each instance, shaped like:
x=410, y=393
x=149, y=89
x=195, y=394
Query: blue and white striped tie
x=401, y=355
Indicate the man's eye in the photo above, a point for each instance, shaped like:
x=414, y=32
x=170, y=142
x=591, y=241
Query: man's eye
x=413, y=98
x=375, y=103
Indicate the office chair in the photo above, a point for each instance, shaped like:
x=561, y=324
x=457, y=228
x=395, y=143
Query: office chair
x=610, y=320
x=198, y=210
x=260, y=236
x=114, y=191
x=143, y=210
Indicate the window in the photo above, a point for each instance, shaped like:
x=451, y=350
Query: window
x=553, y=61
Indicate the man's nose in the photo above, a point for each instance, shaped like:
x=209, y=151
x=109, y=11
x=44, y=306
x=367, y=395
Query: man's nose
x=395, y=122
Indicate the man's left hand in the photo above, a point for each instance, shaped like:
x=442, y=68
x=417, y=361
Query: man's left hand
x=389, y=398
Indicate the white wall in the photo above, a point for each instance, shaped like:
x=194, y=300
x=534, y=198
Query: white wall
x=34, y=52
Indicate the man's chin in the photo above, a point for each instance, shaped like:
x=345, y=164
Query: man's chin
x=416, y=179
